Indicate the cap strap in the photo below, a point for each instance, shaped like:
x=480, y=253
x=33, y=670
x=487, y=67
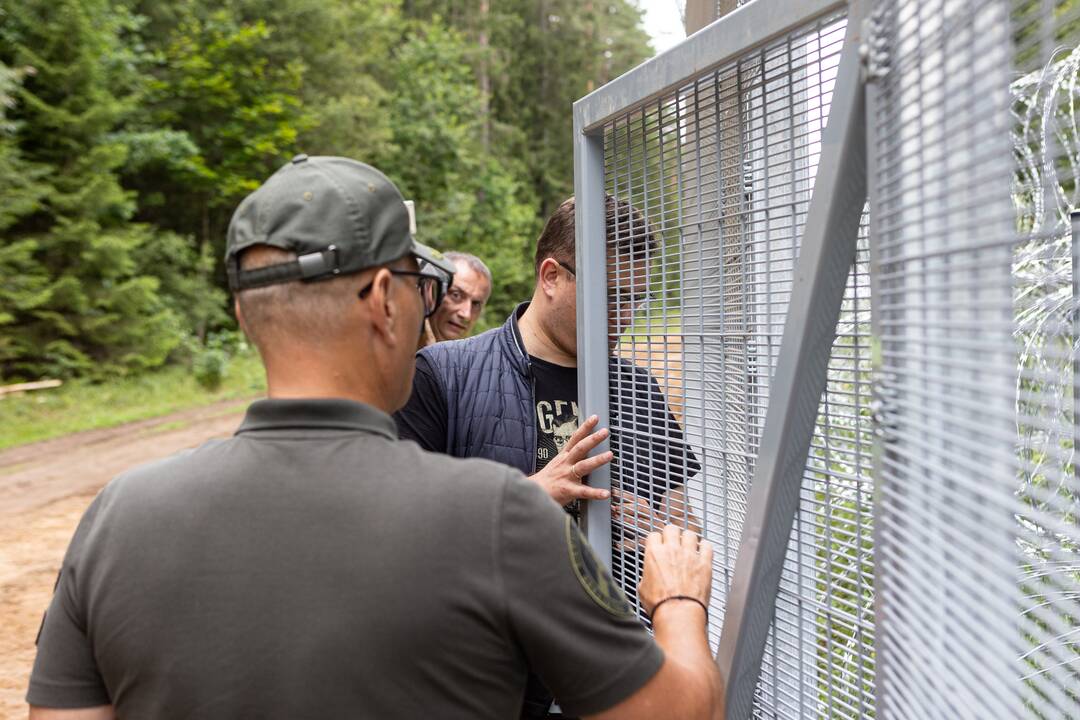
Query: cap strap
x=312, y=266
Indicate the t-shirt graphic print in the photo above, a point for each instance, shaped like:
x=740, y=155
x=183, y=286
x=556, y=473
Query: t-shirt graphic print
x=556, y=421
x=557, y=413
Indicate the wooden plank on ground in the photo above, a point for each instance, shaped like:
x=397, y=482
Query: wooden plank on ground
x=6, y=390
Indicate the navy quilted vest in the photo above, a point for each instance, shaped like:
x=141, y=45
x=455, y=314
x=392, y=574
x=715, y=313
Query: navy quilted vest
x=489, y=395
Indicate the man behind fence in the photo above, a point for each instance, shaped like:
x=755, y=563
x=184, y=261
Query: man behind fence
x=313, y=565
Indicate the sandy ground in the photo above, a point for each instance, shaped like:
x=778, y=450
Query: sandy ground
x=44, y=489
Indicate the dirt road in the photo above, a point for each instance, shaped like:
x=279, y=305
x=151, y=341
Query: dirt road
x=44, y=489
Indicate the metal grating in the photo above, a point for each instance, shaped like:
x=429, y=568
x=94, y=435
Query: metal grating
x=722, y=171
x=966, y=573
x=976, y=157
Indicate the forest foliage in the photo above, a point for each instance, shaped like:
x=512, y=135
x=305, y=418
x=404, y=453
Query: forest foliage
x=129, y=130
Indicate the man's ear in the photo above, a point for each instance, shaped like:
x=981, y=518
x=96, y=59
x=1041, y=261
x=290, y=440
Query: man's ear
x=240, y=318
x=549, y=276
x=383, y=311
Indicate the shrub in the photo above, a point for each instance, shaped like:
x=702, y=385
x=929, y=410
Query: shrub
x=209, y=367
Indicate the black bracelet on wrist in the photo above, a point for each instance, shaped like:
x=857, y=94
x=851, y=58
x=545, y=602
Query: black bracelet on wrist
x=680, y=597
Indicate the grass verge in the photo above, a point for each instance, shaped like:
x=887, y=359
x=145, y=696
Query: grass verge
x=80, y=405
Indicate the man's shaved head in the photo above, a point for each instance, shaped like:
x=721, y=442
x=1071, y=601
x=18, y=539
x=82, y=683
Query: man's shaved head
x=297, y=311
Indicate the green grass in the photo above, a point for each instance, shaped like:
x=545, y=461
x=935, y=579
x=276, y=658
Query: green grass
x=649, y=327
x=81, y=405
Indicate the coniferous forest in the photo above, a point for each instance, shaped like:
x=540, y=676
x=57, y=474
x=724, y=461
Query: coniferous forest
x=129, y=131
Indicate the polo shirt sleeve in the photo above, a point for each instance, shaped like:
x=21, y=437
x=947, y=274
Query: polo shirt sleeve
x=574, y=625
x=425, y=417
x=65, y=674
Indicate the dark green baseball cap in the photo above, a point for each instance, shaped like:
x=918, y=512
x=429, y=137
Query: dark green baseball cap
x=338, y=215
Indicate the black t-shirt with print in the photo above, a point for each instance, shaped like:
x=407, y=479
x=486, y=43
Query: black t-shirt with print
x=651, y=456
x=557, y=414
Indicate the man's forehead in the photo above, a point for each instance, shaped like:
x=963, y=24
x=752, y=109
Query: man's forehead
x=467, y=278
x=462, y=269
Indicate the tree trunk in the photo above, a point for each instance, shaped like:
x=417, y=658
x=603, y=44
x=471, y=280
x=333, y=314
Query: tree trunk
x=485, y=74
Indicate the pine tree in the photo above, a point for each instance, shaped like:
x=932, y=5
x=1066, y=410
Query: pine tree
x=22, y=280
x=96, y=308
x=468, y=198
x=542, y=56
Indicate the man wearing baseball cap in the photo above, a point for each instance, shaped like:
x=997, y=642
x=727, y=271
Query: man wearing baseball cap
x=315, y=566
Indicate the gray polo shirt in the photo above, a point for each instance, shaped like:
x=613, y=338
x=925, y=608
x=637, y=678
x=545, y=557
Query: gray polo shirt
x=315, y=566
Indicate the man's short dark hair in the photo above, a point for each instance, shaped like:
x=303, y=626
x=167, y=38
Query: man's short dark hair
x=626, y=226
x=297, y=310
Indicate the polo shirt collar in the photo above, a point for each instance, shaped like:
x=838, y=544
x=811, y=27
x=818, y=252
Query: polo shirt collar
x=317, y=414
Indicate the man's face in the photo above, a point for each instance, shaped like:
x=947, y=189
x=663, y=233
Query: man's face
x=626, y=296
x=462, y=305
x=561, y=318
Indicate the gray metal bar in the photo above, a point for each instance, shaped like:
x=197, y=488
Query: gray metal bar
x=825, y=259
x=876, y=60
x=590, y=238
x=1074, y=243
x=729, y=37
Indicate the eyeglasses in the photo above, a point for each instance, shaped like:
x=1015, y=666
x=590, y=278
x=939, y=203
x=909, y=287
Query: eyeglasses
x=431, y=288
x=568, y=269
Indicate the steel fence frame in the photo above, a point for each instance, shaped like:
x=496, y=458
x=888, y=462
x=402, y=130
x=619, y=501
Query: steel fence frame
x=828, y=249
x=865, y=153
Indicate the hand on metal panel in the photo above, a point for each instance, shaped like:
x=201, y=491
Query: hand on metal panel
x=677, y=565
x=634, y=517
x=563, y=477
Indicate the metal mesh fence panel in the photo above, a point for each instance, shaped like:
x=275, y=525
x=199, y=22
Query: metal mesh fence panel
x=933, y=571
x=976, y=161
x=711, y=185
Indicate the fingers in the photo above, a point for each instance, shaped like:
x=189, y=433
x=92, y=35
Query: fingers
x=690, y=540
x=705, y=550
x=583, y=467
x=652, y=541
x=629, y=498
x=584, y=492
x=631, y=505
x=587, y=444
x=672, y=534
x=584, y=429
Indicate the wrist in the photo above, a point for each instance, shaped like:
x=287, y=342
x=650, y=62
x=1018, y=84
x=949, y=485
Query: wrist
x=685, y=606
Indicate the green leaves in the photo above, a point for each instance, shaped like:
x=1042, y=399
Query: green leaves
x=76, y=299
x=130, y=130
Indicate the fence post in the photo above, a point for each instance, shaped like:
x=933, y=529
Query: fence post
x=590, y=239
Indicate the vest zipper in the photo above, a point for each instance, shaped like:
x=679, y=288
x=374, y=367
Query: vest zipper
x=532, y=413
